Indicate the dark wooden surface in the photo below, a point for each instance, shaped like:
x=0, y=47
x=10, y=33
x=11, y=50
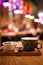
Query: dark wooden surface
x=22, y=60
x=24, y=53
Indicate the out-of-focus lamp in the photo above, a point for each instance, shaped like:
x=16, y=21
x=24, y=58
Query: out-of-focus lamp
x=40, y=15
x=36, y=20
x=6, y=4
x=18, y=12
x=29, y=16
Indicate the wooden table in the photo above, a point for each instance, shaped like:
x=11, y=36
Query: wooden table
x=22, y=60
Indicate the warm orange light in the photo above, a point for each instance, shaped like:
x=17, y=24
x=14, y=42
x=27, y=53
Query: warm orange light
x=27, y=8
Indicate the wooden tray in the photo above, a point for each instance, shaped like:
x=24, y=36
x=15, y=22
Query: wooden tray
x=36, y=52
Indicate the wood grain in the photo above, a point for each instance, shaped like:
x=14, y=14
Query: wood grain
x=22, y=60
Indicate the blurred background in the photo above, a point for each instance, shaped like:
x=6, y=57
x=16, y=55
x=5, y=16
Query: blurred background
x=21, y=15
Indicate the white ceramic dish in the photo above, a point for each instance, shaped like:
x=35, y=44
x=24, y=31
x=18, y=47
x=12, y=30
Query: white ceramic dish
x=9, y=45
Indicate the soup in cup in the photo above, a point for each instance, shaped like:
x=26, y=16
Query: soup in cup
x=9, y=45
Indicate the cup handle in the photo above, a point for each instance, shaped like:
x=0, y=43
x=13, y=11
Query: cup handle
x=40, y=45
